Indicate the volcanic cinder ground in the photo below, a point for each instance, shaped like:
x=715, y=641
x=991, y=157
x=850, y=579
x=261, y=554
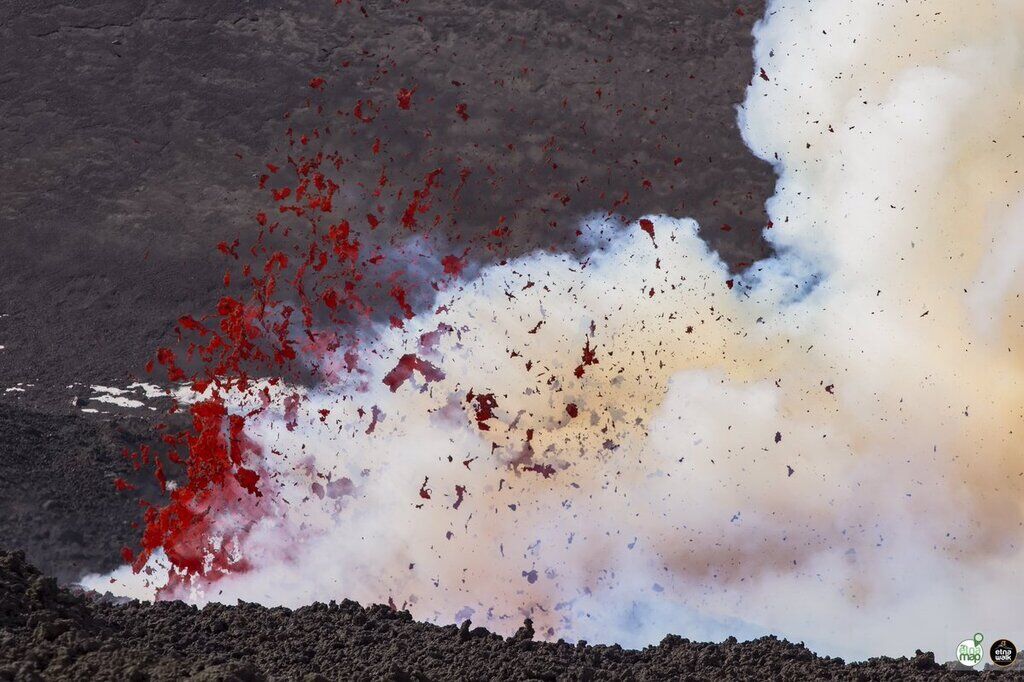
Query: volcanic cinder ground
x=134, y=135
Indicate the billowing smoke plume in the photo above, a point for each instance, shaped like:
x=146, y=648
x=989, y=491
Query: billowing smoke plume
x=827, y=448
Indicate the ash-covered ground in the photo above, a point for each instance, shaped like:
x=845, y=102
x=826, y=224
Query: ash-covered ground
x=134, y=134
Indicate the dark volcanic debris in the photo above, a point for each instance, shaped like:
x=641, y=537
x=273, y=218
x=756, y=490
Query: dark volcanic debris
x=59, y=499
x=46, y=632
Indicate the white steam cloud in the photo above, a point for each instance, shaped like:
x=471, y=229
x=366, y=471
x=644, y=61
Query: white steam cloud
x=829, y=450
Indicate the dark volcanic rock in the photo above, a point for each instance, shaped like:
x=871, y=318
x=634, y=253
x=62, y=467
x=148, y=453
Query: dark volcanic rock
x=48, y=633
x=57, y=494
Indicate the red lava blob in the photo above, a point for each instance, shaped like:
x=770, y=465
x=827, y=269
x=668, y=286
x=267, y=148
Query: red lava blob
x=648, y=227
x=217, y=480
x=409, y=363
x=485, y=404
x=404, y=97
x=453, y=265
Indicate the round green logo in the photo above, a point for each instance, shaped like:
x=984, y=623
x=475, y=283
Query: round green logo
x=970, y=652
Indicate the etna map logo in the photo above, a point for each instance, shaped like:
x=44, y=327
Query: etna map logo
x=969, y=652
